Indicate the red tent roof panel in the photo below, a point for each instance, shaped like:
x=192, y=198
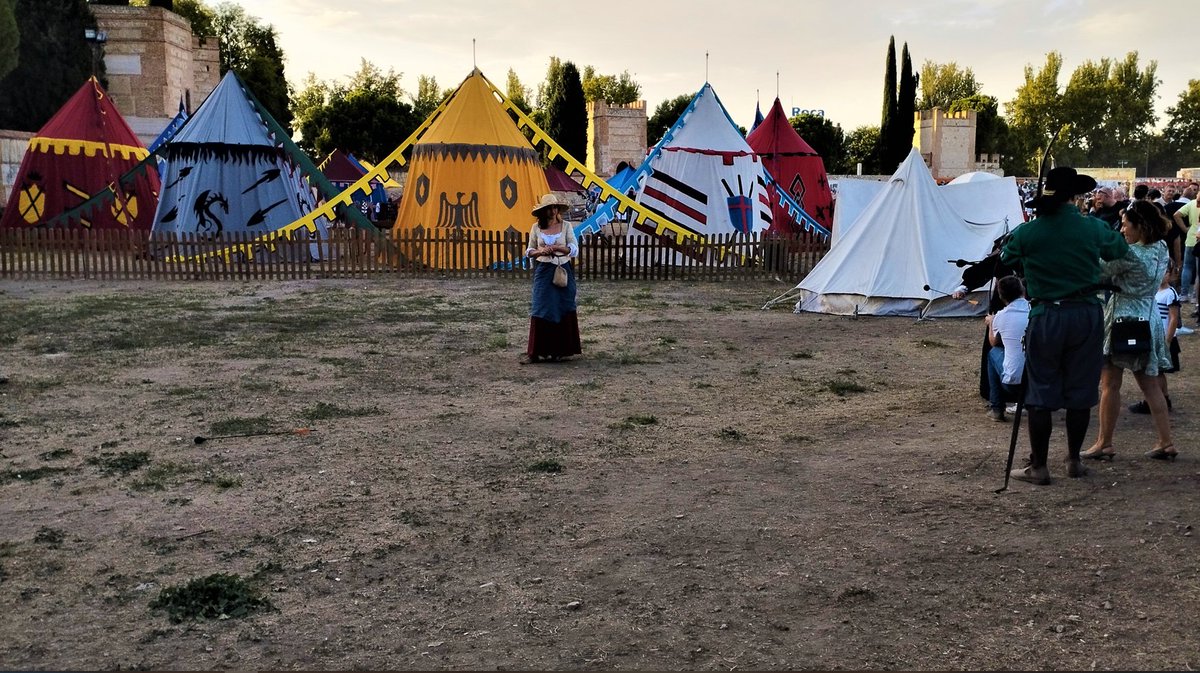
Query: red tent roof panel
x=775, y=135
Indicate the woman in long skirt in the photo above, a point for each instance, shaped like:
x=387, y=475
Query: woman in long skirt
x=553, y=322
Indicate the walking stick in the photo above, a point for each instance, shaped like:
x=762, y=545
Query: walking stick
x=1016, y=429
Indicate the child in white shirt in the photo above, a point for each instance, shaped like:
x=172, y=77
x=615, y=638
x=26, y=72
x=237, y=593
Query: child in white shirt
x=1168, y=309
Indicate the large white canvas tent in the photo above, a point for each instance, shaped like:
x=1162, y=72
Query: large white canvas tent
x=853, y=196
x=904, y=240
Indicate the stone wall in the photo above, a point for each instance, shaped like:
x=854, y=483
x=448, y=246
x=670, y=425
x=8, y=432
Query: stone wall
x=616, y=133
x=206, y=68
x=153, y=63
x=947, y=141
x=12, y=151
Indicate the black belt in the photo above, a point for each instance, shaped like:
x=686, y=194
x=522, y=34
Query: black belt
x=1063, y=302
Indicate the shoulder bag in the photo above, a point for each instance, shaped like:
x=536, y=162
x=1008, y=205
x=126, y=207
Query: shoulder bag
x=1130, y=336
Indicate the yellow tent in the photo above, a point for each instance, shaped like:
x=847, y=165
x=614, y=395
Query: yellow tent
x=471, y=170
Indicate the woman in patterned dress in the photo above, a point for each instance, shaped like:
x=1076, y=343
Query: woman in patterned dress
x=1139, y=275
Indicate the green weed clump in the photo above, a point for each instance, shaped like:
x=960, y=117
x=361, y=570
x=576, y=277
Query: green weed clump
x=242, y=425
x=218, y=596
x=844, y=387
x=731, y=434
x=122, y=463
x=636, y=421
x=546, y=466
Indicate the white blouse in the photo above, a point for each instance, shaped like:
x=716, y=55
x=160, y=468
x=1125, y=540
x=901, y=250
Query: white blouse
x=554, y=239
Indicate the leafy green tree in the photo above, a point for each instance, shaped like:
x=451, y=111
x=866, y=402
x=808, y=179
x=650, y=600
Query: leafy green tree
x=10, y=38
x=825, y=137
x=665, y=115
x=1085, y=103
x=366, y=116
x=53, y=61
x=517, y=92
x=566, y=111
x=991, y=131
x=307, y=101
x=202, y=17
x=862, y=146
x=890, y=106
x=906, y=106
x=944, y=83
x=1181, y=137
x=552, y=81
x=1162, y=158
x=617, y=90
x=1035, y=114
x=251, y=49
x=1130, y=120
x=1109, y=105
x=428, y=97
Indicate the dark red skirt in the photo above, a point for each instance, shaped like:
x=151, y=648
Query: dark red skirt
x=554, y=339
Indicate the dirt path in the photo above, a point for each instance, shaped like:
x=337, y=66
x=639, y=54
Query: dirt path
x=737, y=488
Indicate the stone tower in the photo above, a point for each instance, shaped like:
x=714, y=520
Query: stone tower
x=616, y=133
x=153, y=63
x=947, y=141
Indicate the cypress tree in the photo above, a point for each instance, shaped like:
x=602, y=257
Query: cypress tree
x=54, y=60
x=575, y=139
x=906, y=107
x=886, y=126
x=566, y=110
x=10, y=38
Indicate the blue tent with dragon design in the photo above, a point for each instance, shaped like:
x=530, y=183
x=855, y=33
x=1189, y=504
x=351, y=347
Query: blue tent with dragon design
x=226, y=174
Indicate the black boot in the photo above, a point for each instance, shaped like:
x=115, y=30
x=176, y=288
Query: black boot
x=1040, y=426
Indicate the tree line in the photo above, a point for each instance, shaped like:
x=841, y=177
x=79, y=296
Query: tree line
x=1105, y=105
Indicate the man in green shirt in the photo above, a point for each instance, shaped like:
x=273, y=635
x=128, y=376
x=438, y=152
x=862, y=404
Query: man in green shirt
x=1060, y=251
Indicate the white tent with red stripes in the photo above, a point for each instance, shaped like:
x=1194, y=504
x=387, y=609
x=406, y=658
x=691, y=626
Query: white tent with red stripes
x=704, y=176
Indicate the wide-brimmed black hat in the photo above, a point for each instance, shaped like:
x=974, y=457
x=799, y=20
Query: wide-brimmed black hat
x=1062, y=183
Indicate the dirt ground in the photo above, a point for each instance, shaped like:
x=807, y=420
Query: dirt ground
x=737, y=488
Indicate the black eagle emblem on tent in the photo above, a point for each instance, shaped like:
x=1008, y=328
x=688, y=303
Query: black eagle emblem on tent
x=458, y=215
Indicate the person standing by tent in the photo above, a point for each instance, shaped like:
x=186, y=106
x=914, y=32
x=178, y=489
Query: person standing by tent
x=553, y=321
x=1139, y=275
x=1060, y=251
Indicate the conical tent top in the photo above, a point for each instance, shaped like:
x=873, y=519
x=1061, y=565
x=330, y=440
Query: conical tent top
x=474, y=117
x=226, y=118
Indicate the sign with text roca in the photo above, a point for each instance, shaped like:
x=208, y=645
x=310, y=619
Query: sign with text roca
x=807, y=111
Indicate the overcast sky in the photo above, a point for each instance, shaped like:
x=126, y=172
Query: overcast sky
x=829, y=55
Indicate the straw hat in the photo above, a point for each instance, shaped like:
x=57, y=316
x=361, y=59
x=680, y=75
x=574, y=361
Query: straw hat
x=551, y=199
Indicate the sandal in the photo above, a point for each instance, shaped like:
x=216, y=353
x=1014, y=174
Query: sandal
x=1100, y=453
x=528, y=360
x=1167, y=453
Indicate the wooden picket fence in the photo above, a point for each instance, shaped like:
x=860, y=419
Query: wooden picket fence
x=351, y=253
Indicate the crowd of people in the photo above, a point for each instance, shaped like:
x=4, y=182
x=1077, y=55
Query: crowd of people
x=1106, y=276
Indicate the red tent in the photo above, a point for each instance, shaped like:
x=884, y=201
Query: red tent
x=83, y=150
x=339, y=170
x=559, y=181
x=796, y=167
